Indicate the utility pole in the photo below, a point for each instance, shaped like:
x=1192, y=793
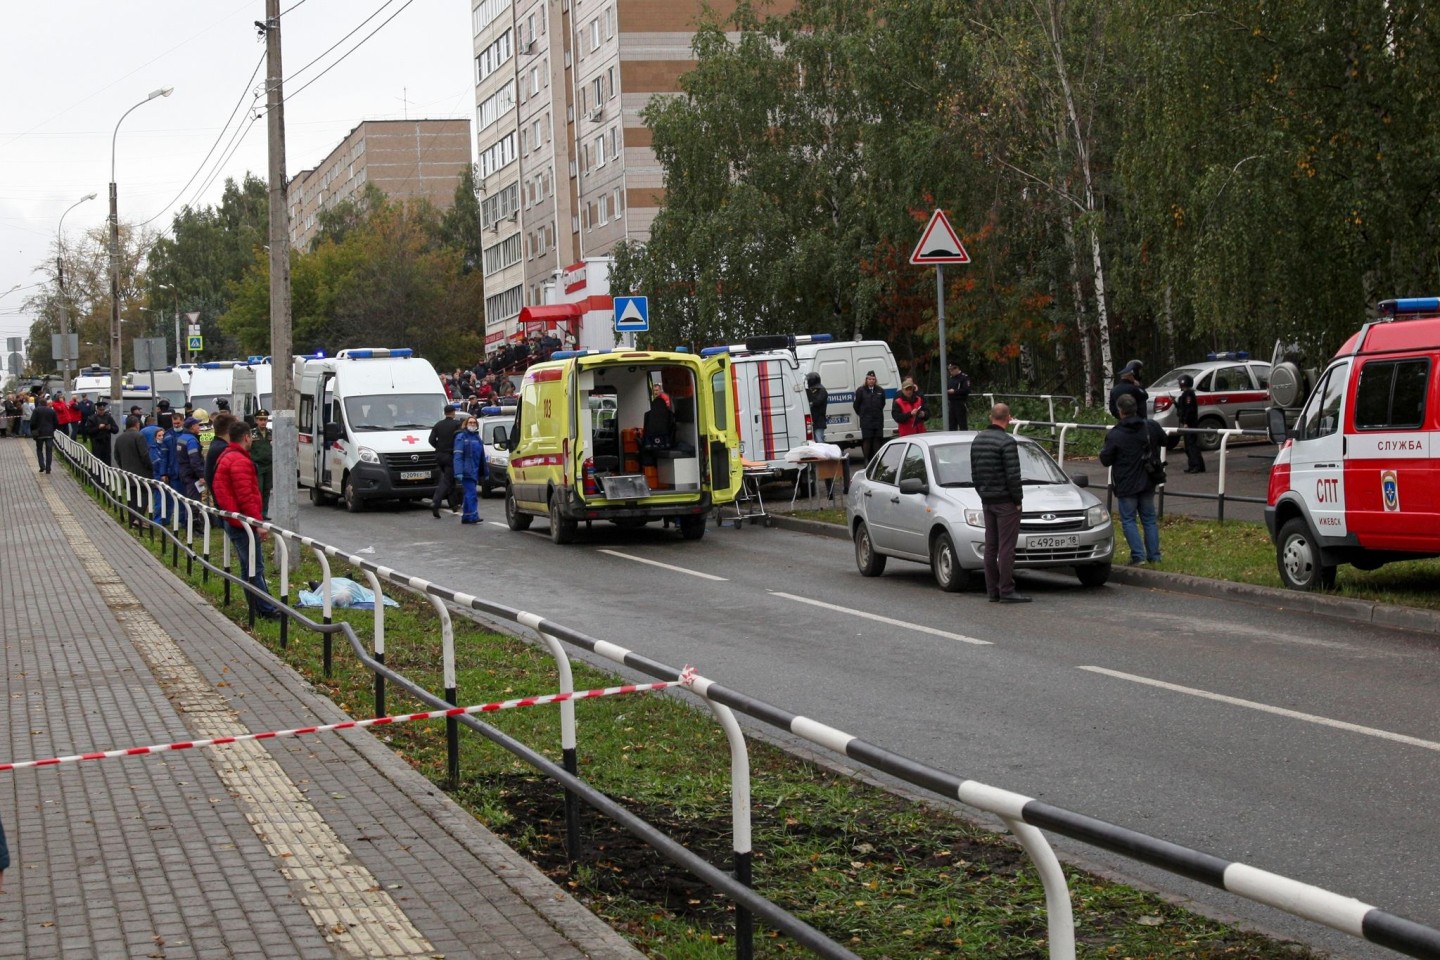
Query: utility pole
x=284, y=504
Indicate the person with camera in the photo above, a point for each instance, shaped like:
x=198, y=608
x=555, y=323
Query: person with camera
x=1132, y=452
x=909, y=410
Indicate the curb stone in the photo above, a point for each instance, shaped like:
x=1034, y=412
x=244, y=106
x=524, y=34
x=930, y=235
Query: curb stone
x=1390, y=615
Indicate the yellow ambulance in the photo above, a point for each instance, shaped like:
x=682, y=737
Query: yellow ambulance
x=628, y=436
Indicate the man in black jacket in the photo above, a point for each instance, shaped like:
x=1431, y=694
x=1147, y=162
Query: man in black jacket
x=1128, y=384
x=442, y=438
x=957, y=395
x=1128, y=446
x=132, y=455
x=995, y=471
x=43, y=424
x=100, y=428
x=819, y=399
x=869, y=406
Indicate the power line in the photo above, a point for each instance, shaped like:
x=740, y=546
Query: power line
x=354, y=48
x=347, y=36
x=181, y=192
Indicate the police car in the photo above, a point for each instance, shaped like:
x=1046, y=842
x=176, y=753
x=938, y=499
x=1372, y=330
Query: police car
x=1232, y=389
x=496, y=424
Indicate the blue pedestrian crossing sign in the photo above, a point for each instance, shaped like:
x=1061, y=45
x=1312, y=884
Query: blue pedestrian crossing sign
x=195, y=343
x=632, y=314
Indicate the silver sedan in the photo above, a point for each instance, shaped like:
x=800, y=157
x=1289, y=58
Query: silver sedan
x=915, y=501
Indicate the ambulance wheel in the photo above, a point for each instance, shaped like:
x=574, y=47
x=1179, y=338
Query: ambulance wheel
x=869, y=563
x=1298, y=559
x=561, y=530
x=1210, y=441
x=945, y=565
x=353, y=503
x=513, y=517
x=692, y=528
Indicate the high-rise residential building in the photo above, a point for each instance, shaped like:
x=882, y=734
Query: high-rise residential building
x=404, y=159
x=565, y=162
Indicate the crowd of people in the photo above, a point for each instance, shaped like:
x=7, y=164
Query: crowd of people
x=491, y=380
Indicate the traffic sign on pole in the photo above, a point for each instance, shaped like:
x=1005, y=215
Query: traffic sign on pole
x=632, y=314
x=195, y=344
x=939, y=244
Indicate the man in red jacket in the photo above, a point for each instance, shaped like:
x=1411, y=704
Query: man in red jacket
x=237, y=490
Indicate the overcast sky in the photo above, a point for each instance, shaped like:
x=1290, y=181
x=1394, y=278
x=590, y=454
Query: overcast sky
x=71, y=68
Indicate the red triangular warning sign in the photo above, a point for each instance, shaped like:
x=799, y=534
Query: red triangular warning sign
x=939, y=243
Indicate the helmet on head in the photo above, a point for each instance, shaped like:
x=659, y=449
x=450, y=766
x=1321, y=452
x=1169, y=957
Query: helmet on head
x=812, y=377
x=1186, y=381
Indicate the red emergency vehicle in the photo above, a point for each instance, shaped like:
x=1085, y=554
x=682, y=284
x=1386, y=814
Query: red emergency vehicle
x=1356, y=481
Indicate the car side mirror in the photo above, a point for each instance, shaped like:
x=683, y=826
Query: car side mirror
x=914, y=485
x=498, y=438
x=1080, y=479
x=332, y=432
x=1275, y=424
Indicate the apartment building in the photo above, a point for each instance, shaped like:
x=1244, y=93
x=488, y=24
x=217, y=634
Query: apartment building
x=405, y=159
x=565, y=161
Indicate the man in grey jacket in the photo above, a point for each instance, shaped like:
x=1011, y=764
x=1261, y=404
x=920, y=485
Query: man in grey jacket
x=995, y=471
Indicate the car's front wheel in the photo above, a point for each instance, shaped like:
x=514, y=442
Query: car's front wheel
x=1298, y=559
x=869, y=563
x=945, y=564
x=1093, y=574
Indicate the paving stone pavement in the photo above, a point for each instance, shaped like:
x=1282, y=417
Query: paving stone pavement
x=321, y=847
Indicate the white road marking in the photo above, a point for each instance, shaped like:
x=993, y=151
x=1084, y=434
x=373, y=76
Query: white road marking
x=921, y=628
x=1267, y=708
x=666, y=566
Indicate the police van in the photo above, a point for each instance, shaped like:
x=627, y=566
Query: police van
x=842, y=365
x=772, y=413
x=364, y=422
x=626, y=436
x=251, y=387
x=1356, y=481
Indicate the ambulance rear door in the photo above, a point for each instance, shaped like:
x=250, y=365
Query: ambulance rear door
x=1317, y=454
x=719, y=430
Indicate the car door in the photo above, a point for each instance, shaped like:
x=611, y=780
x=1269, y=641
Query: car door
x=1389, y=493
x=881, y=497
x=1317, y=453
x=1250, y=403
x=719, y=430
x=912, y=511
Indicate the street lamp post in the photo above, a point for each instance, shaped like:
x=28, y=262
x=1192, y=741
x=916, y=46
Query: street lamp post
x=116, y=359
x=60, y=283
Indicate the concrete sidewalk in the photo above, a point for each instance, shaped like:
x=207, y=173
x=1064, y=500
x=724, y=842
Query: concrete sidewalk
x=321, y=847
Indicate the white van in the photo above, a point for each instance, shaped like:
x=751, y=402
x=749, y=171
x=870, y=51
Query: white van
x=93, y=382
x=842, y=365
x=167, y=385
x=210, y=382
x=364, y=420
x=252, y=389
x=771, y=409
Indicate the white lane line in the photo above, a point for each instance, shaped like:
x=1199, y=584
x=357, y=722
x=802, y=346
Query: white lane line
x=665, y=566
x=1267, y=708
x=921, y=628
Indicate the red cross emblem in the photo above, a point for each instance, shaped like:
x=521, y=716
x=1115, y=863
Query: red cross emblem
x=411, y=439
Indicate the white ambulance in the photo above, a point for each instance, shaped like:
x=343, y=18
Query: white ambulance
x=1357, y=480
x=210, y=382
x=842, y=365
x=252, y=388
x=771, y=410
x=364, y=421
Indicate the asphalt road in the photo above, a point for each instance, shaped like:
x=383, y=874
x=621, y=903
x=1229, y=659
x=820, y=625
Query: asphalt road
x=1063, y=701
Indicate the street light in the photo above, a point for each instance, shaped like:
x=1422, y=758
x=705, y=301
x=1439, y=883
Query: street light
x=60, y=283
x=178, y=342
x=116, y=360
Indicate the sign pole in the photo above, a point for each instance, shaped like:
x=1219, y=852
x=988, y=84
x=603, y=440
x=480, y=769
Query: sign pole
x=940, y=324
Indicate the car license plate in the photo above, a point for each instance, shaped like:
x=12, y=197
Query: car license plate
x=1051, y=543
x=414, y=474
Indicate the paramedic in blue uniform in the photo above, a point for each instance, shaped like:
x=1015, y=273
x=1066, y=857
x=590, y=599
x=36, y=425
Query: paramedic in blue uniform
x=470, y=468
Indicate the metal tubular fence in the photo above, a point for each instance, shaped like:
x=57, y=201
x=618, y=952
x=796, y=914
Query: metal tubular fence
x=1026, y=817
x=1059, y=431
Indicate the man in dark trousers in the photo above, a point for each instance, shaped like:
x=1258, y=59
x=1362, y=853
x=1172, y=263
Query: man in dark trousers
x=957, y=395
x=101, y=428
x=132, y=454
x=1128, y=384
x=819, y=399
x=1187, y=409
x=237, y=490
x=43, y=424
x=442, y=438
x=869, y=406
x=262, y=451
x=1129, y=446
x=995, y=471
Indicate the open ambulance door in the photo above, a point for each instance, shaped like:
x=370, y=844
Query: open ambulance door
x=720, y=430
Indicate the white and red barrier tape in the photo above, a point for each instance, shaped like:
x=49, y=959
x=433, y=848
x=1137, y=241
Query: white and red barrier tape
x=686, y=676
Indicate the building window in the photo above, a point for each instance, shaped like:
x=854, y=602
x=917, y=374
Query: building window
x=595, y=34
x=499, y=205
x=597, y=90
x=616, y=204
x=504, y=305
x=600, y=151
x=604, y=209
x=615, y=142
x=494, y=55
x=614, y=88
x=534, y=80
x=493, y=107
x=486, y=12
x=498, y=156
x=609, y=22
x=501, y=255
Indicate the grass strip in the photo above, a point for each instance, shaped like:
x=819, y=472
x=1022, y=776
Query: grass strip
x=889, y=877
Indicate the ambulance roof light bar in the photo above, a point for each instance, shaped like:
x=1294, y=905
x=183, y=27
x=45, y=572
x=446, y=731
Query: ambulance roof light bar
x=765, y=343
x=1408, y=306
x=375, y=353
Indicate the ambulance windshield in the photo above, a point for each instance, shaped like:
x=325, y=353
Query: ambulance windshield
x=393, y=411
